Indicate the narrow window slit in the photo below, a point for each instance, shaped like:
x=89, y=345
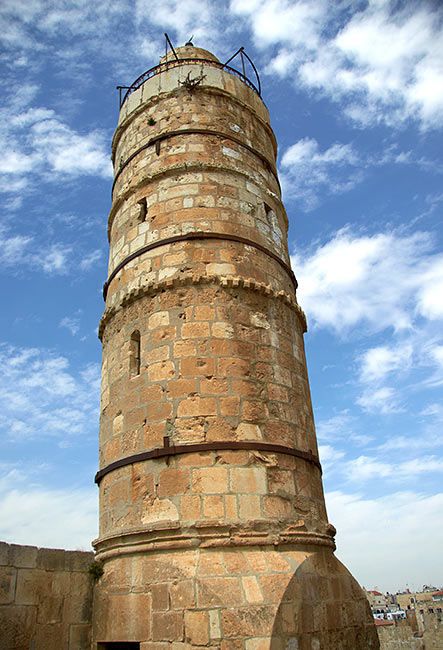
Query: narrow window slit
x=143, y=209
x=134, y=354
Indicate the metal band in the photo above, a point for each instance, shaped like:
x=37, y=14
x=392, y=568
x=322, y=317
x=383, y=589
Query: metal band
x=174, y=450
x=192, y=236
x=220, y=134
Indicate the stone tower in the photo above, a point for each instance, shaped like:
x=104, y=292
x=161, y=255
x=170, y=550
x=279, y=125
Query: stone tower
x=213, y=529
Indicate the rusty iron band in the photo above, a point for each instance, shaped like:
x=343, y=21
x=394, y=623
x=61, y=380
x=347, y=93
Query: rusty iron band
x=174, y=450
x=197, y=235
x=220, y=134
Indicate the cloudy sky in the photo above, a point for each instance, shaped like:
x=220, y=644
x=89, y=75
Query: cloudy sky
x=355, y=93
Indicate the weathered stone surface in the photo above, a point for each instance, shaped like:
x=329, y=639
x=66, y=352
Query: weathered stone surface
x=47, y=607
x=8, y=576
x=223, y=546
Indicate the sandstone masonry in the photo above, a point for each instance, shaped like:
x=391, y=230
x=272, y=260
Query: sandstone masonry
x=45, y=598
x=213, y=528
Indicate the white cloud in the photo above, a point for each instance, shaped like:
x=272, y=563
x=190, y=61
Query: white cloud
x=31, y=514
x=89, y=260
x=16, y=252
x=68, y=152
x=37, y=141
x=55, y=259
x=430, y=298
x=390, y=540
x=70, y=323
x=340, y=427
x=201, y=19
x=385, y=62
x=12, y=248
x=379, y=281
x=297, y=24
x=306, y=172
x=365, y=468
x=378, y=362
x=329, y=455
x=380, y=400
x=40, y=396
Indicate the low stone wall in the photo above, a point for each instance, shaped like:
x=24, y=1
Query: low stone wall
x=398, y=637
x=45, y=598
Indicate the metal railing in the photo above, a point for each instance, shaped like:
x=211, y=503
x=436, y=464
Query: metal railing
x=174, y=63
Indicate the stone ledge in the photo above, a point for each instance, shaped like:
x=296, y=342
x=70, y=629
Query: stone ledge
x=208, y=535
x=224, y=281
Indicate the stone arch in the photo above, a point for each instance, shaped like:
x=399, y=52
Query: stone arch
x=323, y=608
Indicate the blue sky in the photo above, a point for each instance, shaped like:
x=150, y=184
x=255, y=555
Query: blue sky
x=355, y=94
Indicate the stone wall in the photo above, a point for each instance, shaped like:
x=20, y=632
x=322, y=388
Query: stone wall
x=45, y=598
x=400, y=635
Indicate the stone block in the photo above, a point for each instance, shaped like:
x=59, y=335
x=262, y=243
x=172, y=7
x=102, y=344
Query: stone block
x=197, y=367
x=210, y=480
x=252, y=590
x=213, y=386
x=77, y=606
x=182, y=594
x=50, y=637
x=235, y=562
x=173, y=481
x=161, y=371
x=121, y=617
x=190, y=507
x=197, y=627
x=276, y=507
x=204, y=312
x=195, y=330
x=160, y=597
x=231, y=511
x=248, y=479
x=263, y=643
x=51, y=559
x=195, y=405
x=274, y=586
x=214, y=624
x=78, y=560
x=50, y=609
x=8, y=576
x=17, y=627
x=23, y=556
x=159, y=353
x=248, y=622
x=257, y=561
x=219, y=592
x=229, y=406
x=4, y=553
x=154, y=510
x=167, y=626
x=213, y=507
x=31, y=585
x=181, y=387
x=233, y=367
x=184, y=349
x=79, y=637
x=211, y=564
x=164, y=334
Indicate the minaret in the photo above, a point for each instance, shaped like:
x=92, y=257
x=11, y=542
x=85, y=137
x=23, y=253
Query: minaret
x=213, y=528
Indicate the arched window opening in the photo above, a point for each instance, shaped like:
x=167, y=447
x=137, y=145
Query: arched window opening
x=134, y=354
